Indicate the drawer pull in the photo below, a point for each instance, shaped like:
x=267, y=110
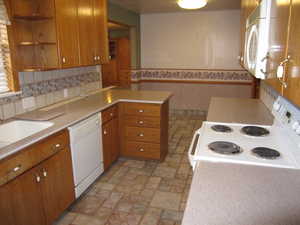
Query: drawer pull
x=141, y=135
x=141, y=111
x=57, y=146
x=16, y=169
x=142, y=150
x=45, y=173
x=38, y=178
x=111, y=114
x=141, y=122
x=105, y=132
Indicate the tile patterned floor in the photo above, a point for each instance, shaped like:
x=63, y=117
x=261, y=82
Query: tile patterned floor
x=136, y=192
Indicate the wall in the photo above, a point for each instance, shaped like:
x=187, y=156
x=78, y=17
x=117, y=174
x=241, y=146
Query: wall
x=124, y=16
x=46, y=88
x=193, y=40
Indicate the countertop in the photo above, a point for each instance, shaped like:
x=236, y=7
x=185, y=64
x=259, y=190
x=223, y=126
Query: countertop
x=239, y=110
x=76, y=111
x=233, y=194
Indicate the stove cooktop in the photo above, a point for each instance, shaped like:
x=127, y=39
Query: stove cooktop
x=236, y=147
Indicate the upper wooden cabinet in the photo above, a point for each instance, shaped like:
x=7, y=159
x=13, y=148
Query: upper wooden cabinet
x=53, y=34
x=67, y=30
x=292, y=78
x=278, y=42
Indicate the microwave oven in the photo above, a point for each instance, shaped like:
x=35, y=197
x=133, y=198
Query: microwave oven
x=257, y=39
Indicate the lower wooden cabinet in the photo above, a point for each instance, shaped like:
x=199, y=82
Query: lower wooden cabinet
x=110, y=136
x=41, y=194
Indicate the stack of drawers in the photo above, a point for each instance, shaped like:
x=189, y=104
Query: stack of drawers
x=143, y=131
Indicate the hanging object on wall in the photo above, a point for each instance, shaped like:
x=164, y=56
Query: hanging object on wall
x=192, y=4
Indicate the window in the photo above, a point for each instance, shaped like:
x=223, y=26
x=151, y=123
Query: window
x=5, y=63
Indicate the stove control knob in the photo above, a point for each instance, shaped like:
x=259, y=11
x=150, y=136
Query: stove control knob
x=298, y=131
x=295, y=125
x=277, y=106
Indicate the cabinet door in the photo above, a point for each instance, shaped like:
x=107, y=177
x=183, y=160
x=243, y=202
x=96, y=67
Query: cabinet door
x=110, y=74
x=57, y=184
x=86, y=32
x=101, y=32
x=27, y=199
x=66, y=20
x=292, y=92
x=115, y=140
x=280, y=12
x=6, y=209
x=107, y=144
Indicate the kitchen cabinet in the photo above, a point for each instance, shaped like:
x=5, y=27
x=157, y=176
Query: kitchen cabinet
x=144, y=130
x=67, y=29
x=40, y=194
x=278, y=42
x=93, y=35
x=110, y=129
x=53, y=34
x=6, y=208
x=118, y=70
x=292, y=78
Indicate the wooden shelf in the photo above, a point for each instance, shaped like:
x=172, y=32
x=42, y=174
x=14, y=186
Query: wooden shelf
x=28, y=43
x=32, y=17
x=37, y=69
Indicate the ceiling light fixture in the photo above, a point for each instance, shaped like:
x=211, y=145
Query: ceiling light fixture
x=192, y=4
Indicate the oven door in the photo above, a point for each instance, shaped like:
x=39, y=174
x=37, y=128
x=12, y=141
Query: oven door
x=193, y=147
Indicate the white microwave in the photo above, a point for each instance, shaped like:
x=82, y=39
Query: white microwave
x=257, y=40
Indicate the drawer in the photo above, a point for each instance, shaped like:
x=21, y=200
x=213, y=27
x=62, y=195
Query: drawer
x=151, y=135
x=49, y=146
x=16, y=164
x=141, y=150
x=139, y=109
x=110, y=113
x=142, y=121
x=13, y=166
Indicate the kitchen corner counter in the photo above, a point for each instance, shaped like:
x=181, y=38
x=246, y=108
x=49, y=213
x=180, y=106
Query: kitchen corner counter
x=78, y=110
x=239, y=110
x=233, y=194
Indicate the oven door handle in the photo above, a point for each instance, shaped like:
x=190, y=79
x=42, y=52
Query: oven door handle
x=193, y=148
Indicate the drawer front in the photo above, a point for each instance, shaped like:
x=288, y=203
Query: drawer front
x=139, y=109
x=109, y=114
x=15, y=165
x=49, y=147
x=151, y=135
x=141, y=150
x=142, y=121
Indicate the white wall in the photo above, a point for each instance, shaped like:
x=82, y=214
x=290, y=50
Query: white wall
x=192, y=40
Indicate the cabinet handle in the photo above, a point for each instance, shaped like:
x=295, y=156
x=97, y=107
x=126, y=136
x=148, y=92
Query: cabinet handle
x=98, y=57
x=141, y=122
x=95, y=58
x=64, y=59
x=45, y=173
x=38, y=178
x=16, y=169
x=141, y=135
x=142, y=150
x=111, y=114
x=141, y=110
x=105, y=132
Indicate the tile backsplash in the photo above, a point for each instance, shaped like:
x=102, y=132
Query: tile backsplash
x=39, y=89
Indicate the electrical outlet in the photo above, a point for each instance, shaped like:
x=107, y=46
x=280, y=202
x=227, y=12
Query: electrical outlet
x=28, y=103
x=66, y=93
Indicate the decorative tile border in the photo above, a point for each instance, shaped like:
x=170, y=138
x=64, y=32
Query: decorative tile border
x=241, y=76
x=52, y=85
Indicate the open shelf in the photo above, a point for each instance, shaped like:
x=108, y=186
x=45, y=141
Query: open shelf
x=32, y=17
x=28, y=43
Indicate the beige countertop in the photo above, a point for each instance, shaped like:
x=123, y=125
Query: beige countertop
x=76, y=111
x=239, y=110
x=233, y=194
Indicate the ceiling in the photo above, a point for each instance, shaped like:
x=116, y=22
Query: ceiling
x=161, y=6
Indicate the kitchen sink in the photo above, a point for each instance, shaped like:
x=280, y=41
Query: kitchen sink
x=19, y=129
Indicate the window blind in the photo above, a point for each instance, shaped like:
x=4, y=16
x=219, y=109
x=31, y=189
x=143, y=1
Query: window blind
x=5, y=63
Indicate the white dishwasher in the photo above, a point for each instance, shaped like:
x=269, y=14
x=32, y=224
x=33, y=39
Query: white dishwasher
x=87, y=152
